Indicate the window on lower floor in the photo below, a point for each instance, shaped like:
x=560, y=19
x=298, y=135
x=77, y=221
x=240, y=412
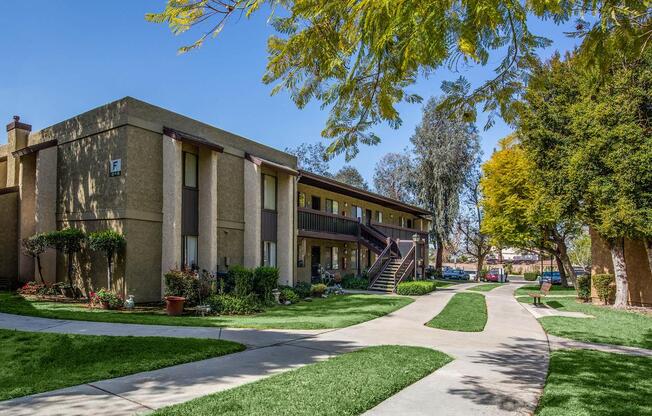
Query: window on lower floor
x=335, y=258
x=269, y=253
x=190, y=251
x=354, y=260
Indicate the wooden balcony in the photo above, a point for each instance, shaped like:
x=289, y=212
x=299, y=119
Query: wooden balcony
x=399, y=233
x=318, y=224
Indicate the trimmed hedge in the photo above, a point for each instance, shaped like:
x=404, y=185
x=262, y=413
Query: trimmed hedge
x=530, y=276
x=584, y=287
x=605, y=286
x=235, y=305
x=352, y=282
x=421, y=287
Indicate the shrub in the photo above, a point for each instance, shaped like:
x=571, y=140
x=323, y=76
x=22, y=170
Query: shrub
x=68, y=241
x=418, y=288
x=287, y=294
x=530, y=276
x=33, y=247
x=235, y=305
x=243, y=280
x=31, y=288
x=182, y=283
x=303, y=289
x=108, y=297
x=583, y=287
x=351, y=282
x=605, y=286
x=318, y=290
x=109, y=242
x=265, y=280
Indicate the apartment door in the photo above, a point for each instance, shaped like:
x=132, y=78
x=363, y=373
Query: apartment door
x=367, y=217
x=315, y=260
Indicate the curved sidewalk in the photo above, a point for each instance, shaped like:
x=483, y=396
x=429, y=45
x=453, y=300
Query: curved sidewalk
x=499, y=371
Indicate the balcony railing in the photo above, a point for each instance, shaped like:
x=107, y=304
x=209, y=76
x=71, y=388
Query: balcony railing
x=399, y=233
x=322, y=222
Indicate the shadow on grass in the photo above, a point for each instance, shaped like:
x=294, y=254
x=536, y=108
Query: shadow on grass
x=596, y=383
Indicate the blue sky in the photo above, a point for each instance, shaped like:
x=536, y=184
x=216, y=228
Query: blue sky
x=64, y=57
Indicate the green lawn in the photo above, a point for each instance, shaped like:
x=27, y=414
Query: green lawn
x=485, y=287
x=610, y=326
x=466, y=312
x=447, y=283
x=592, y=383
x=34, y=362
x=554, y=290
x=348, y=384
x=334, y=312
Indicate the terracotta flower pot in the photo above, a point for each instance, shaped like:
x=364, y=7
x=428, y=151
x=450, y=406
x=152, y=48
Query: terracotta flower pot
x=174, y=305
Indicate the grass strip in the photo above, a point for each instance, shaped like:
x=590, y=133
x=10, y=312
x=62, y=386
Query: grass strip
x=554, y=290
x=348, y=384
x=609, y=325
x=593, y=383
x=34, y=362
x=465, y=312
x=333, y=312
x=485, y=287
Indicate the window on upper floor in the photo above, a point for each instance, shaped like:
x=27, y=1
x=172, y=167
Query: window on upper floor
x=190, y=166
x=315, y=203
x=301, y=200
x=269, y=192
x=379, y=217
x=332, y=207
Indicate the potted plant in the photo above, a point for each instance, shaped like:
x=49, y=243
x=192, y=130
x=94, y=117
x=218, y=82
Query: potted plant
x=174, y=305
x=107, y=299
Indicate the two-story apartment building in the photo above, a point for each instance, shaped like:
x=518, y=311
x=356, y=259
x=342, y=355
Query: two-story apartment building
x=186, y=193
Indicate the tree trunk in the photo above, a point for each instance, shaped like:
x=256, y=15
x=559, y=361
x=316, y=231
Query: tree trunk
x=562, y=272
x=480, y=264
x=566, y=261
x=109, y=272
x=439, y=257
x=648, y=248
x=72, y=286
x=40, y=269
x=618, y=257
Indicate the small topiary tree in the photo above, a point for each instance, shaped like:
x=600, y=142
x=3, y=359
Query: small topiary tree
x=583, y=287
x=605, y=286
x=67, y=241
x=33, y=247
x=110, y=243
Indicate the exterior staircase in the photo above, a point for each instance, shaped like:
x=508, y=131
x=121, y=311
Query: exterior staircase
x=385, y=282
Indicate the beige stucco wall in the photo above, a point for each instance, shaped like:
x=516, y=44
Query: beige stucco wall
x=46, y=202
x=639, y=276
x=286, y=243
x=207, y=256
x=27, y=225
x=3, y=173
x=230, y=210
x=252, y=215
x=9, y=236
x=171, y=226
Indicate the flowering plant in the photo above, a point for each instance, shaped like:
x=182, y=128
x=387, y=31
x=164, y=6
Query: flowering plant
x=106, y=298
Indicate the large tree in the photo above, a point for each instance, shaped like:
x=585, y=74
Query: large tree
x=350, y=175
x=445, y=148
x=360, y=58
x=588, y=133
x=518, y=209
x=394, y=177
x=471, y=219
x=311, y=157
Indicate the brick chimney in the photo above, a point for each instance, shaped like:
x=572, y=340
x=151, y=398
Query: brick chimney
x=17, y=137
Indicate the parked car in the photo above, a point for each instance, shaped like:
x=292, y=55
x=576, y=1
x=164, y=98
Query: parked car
x=454, y=274
x=552, y=277
x=493, y=275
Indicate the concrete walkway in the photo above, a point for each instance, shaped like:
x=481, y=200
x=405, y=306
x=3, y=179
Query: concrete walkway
x=500, y=371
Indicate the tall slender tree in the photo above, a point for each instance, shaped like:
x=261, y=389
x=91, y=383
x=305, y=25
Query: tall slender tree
x=394, y=177
x=446, y=148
